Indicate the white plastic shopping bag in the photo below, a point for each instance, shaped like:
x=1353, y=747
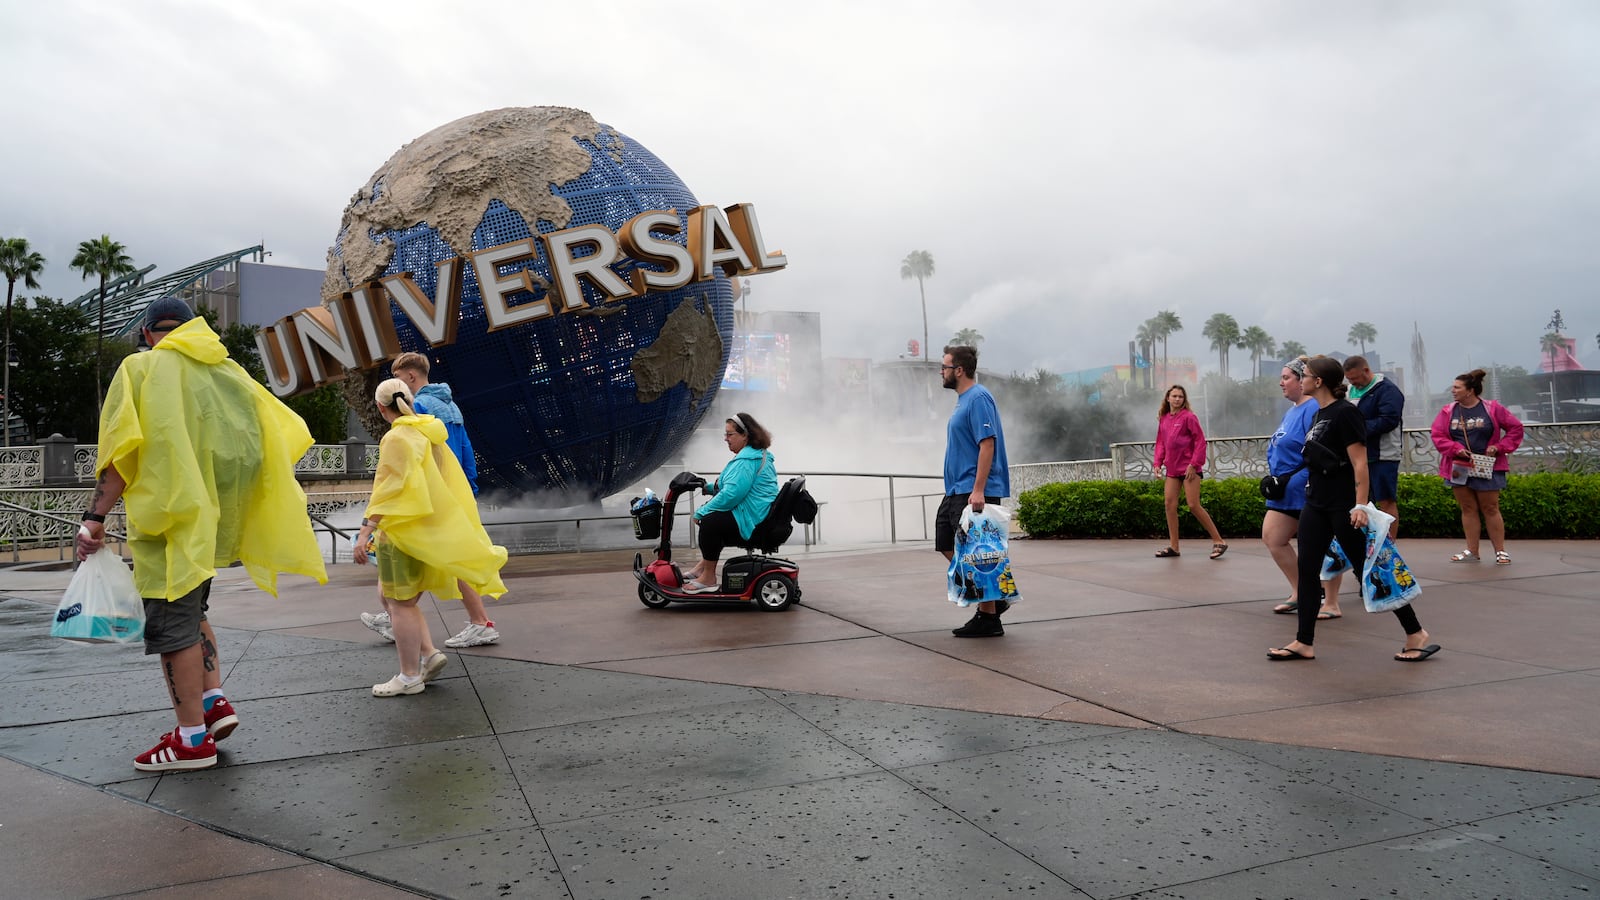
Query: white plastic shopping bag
x=1388, y=583
x=980, y=571
x=101, y=604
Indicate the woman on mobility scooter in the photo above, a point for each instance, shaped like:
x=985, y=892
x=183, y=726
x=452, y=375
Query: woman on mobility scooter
x=740, y=498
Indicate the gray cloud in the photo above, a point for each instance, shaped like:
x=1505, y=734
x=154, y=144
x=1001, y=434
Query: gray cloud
x=1073, y=167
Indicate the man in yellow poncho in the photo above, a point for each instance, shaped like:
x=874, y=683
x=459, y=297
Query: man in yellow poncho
x=203, y=457
x=429, y=535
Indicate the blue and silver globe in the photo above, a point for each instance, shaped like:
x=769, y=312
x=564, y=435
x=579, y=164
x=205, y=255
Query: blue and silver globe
x=579, y=405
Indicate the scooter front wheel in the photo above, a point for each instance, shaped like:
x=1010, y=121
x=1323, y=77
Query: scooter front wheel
x=651, y=598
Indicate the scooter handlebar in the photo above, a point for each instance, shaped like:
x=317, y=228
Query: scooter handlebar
x=685, y=482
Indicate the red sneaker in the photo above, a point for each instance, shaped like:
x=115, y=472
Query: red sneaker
x=171, y=755
x=221, y=719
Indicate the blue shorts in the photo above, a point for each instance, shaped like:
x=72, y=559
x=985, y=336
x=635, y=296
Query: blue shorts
x=1385, y=477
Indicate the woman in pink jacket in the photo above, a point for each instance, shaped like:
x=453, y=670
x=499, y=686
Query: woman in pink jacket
x=1181, y=450
x=1470, y=424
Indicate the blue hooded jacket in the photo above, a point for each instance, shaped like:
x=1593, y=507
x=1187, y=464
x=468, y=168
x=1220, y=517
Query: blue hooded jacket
x=435, y=400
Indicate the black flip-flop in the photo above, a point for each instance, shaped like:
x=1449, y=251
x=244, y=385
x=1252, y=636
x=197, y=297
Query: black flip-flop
x=1167, y=553
x=1287, y=609
x=1288, y=654
x=1422, y=653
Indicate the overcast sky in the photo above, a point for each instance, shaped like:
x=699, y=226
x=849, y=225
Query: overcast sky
x=1073, y=167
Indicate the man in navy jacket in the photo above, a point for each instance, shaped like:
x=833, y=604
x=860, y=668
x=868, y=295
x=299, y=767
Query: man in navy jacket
x=1383, y=406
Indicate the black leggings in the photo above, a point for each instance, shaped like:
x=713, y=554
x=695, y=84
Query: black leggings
x=1318, y=528
x=718, y=530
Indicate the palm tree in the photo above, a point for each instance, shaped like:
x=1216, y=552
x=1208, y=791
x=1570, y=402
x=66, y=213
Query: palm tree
x=16, y=261
x=1259, y=343
x=1167, y=324
x=1146, y=337
x=1360, y=333
x=1551, y=344
x=1223, y=330
x=103, y=257
x=966, y=337
x=1292, y=349
x=918, y=264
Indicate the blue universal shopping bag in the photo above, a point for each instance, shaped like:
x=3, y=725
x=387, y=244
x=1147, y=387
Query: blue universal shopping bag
x=980, y=571
x=1387, y=583
x=101, y=605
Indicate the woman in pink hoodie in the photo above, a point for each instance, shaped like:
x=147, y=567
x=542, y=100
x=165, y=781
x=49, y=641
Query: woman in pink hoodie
x=1181, y=451
x=1473, y=424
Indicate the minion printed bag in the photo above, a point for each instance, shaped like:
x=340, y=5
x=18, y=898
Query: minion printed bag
x=980, y=571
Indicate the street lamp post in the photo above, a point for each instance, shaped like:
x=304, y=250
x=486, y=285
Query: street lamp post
x=11, y=361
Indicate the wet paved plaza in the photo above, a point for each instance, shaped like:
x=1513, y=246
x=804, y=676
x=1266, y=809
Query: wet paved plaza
x=1127, y=737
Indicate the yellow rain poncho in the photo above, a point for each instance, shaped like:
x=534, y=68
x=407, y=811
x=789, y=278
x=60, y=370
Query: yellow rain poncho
x=429, y=515
x=208, y=454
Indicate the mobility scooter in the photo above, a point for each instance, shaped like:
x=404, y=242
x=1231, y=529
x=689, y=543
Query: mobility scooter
x=769, y=582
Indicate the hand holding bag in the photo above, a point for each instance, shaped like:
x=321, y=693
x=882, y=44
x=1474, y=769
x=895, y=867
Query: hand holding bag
x=101, y=604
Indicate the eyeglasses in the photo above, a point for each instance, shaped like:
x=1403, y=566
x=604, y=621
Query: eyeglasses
x=948, y=368
x=731, y=434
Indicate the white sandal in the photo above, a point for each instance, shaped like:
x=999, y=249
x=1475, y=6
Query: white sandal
x=1465, y=556
x=1502, y=558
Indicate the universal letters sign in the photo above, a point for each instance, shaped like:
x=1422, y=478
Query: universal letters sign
x=356, y=331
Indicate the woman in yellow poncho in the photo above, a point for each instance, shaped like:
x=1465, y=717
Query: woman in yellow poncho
x=428, y=534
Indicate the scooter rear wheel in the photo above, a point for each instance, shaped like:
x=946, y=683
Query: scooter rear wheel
x=774, y=592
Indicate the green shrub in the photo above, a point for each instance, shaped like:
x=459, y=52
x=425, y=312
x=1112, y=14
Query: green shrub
x=1536, y=505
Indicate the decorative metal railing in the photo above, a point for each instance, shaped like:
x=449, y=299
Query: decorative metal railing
x=24, y=467
x=83, y=457
x=322, y=459
x=22, y=526
x=1027, y=476
x=21, y=466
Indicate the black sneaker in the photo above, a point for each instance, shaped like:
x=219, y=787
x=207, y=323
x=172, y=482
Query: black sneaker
x=981, y=625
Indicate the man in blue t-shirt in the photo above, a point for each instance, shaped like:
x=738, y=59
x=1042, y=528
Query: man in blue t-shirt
x=975, y=470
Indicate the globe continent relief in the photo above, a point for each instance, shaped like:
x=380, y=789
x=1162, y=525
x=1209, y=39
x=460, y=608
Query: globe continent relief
x=571, y=407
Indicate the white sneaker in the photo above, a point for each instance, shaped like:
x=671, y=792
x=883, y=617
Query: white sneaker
x=473, y=636
x=398, y=685
x=380, y=623
x=433, y=665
